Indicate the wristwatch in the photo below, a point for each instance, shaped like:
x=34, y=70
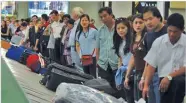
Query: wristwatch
x=169, y=77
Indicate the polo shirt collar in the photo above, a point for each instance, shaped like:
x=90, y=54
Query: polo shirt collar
x=179, y=42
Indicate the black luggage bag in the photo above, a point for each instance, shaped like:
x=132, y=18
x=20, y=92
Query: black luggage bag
x=60, y=73
x=25, y=55
x=101, y=85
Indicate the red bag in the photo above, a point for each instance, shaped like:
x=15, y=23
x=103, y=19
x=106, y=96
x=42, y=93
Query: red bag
x=87, y=59
x=32, y=60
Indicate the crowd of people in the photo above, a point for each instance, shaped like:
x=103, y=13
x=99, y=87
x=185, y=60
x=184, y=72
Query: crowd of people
x=149, y=52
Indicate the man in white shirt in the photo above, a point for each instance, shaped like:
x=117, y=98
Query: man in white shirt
x=55, y=37
x=76, y=14
x=168, y=54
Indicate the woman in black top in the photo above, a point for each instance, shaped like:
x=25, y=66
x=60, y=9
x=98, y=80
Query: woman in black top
x=139, y=52
x=4, y=29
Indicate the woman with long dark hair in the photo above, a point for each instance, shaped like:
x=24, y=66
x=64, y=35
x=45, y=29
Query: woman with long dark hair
x=122, y=39
x=4, y=29
x=138, y=53
x=122, y=42
x=85, y=45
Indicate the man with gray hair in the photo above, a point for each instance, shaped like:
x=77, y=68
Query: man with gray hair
x=76, y=14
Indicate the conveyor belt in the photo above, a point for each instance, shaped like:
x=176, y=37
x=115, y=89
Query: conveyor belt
x=27, y=80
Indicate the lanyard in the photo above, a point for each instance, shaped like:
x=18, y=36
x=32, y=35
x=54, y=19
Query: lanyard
x=85, y=35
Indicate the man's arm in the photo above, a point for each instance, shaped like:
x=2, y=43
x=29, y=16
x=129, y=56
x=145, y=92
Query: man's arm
x=97, y=46
x=35, y=47
x=97, y=54
x=151, y=60
x=179, y=72
x=148, y=77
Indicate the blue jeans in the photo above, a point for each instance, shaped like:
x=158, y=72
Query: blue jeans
x=154, y=94
x=137, y=92
x=76, y=59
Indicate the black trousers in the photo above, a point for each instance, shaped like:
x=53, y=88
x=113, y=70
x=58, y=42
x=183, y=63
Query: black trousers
x=91, y=69
x=175, y=92
x=62, y=57
x=54, y=54
x=109, y=75
x=129, y=93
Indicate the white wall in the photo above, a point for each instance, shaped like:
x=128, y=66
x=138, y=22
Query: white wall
x=161, y=7
x=122, y=8
x=91, y=8
x=22, y=9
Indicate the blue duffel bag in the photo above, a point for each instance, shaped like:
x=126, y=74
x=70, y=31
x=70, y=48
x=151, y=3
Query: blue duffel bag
x=15, y=52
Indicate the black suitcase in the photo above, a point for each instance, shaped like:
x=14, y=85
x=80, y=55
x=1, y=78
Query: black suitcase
x=60, y=73
x=25, y=55
x=104, y=86
x=75, y=93
x=101, y=85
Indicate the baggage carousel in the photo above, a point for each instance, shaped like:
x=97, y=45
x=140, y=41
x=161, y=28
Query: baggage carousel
x=20, y=85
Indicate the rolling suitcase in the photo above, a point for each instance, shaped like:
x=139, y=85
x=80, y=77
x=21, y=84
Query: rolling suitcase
x=15, y=52
x=32, y=62
x=16, y=39
x=104, y=86
x=61, y=74
x=75, y=93
x=101, y=85
x=25, y=55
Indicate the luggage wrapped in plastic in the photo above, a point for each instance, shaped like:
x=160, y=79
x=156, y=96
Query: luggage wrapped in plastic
x=76, y=93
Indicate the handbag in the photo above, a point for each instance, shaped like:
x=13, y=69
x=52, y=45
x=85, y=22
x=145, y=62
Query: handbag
x=87, y=59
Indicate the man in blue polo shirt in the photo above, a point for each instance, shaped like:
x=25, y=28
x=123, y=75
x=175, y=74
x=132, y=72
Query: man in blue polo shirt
x=107, y=60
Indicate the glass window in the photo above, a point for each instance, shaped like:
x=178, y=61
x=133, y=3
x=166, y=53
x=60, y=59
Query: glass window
x=40, y=7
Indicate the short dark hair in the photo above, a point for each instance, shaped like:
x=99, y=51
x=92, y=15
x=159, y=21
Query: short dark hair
x=27, y=20
x=71, y=21
x=54, y=12
x=154, y=11
x=24, y=24
x=17, y=21
x=22, y=20
x=176, y=20
x=107, y=9
x=66, y=16
x=45, y=17
x=35, y=16
x=136, y=16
